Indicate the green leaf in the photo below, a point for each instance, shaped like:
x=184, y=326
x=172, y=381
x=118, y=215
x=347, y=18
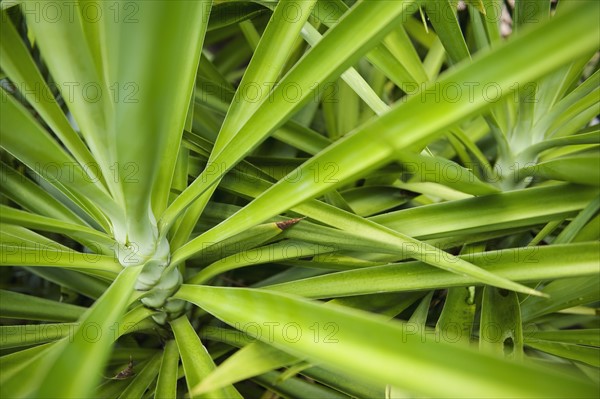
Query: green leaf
x=500, y=328
x=20, y=67
x=443, y=18
x=530, y=12
x=241, y=242
x=87, y=236
x=578, y=223
x=397, y=62
x=576, y=169
x=512, y=209
x=154, y=117
x=260, y=76
x=89, y=286
x=229, y=13
x=82, y=357
x=399, y=44
x=580, y=353
x=196, y=361
x=287, y=249
x=50, y=161
x=371, y=200
x=296, y=387
x=19, y=253
x=166, y=386
x=548, y=262
x=20, y=306
x=402, y=362
x=192, y=56
x=253, y=359
x=581, y=337
x=586, y=136
x=354, y=81
x=442, y=171
x=406, y=245
x=339, y=49
x=32, y=197
x=19, y=362
x=75, y=71
x=25, y=335
x=351, y=385
x=143, y=379
x=563, y=294
x=419, y=316
x=458, y=314
x=285, y=194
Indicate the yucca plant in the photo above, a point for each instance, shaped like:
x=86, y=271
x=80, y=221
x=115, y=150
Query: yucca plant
x=299, y=199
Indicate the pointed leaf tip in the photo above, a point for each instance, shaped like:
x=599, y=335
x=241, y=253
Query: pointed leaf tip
x=286, y=224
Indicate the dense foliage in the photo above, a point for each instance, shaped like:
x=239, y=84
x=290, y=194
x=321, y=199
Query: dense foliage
x=299, y=199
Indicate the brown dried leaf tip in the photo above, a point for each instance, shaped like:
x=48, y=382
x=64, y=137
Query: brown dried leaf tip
x=286, y=224
x=126, y=372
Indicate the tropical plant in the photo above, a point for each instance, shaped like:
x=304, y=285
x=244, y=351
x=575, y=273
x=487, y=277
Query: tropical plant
x=299, y=199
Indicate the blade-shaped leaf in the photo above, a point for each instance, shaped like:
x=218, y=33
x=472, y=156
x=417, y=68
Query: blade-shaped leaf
x=401, y=357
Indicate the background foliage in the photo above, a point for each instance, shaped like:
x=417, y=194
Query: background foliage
x=299, y=199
